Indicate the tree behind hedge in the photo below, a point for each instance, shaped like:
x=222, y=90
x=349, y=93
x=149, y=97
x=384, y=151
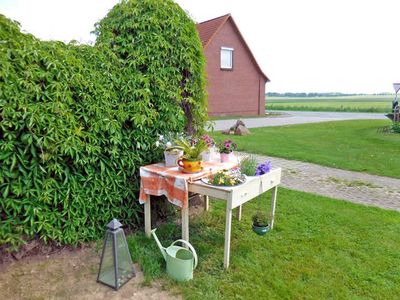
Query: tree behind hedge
x=160, y=43
x=77, y=122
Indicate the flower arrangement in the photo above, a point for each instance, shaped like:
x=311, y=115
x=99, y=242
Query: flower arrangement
x=227, y=178
x=227, y=146
x=208, y=140
x=208, y=154
x=263, y=168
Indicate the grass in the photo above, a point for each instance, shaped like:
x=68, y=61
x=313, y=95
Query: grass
x=319, y=249
x=351, y=145
x=369, y=103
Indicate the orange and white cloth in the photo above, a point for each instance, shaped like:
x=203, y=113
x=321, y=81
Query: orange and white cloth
x=157, y=180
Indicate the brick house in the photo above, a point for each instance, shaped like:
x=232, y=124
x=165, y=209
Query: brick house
x=236, y=83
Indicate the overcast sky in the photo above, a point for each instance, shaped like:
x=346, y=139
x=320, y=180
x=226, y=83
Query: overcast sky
x=302, y=46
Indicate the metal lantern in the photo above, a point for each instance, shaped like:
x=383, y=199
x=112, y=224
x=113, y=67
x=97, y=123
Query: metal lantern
x=116, y=266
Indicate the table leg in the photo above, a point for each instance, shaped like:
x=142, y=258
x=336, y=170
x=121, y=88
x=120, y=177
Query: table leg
x=206, y=203
x=185, y=222
x=227, y=236
x=147, y=217
x=239, y=212
x=273, y=205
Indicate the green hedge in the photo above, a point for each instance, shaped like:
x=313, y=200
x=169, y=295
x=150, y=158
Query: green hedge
x=77, y=122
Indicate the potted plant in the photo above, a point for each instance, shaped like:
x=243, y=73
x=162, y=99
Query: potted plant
x=226, y=149
x=172, y=152
x=248, y=165
x=260, y=223
x=208, y=154
x=191, y=160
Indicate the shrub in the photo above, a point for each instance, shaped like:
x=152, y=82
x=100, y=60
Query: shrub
x=77, y=122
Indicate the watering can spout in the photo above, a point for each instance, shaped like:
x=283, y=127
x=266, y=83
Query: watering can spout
x=162, y=249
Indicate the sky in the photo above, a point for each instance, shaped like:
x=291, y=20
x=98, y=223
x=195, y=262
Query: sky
x=348, y=46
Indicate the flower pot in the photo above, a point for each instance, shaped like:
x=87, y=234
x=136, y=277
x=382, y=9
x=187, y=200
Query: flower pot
x=208, y=155
x=172, y=156
x=227, y=157
x=261, y=230
x=190, y=166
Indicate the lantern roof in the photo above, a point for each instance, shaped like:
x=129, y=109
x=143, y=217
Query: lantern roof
x=114, y=224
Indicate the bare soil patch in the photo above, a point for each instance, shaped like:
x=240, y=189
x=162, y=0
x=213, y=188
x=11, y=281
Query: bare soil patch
x=69, y=274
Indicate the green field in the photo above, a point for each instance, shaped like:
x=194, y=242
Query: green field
x=319, y=249
x=367, y=103
x=351, y=145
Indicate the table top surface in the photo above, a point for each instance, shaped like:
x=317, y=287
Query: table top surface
x=249, y=179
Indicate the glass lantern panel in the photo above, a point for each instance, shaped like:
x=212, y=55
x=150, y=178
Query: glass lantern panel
x=107, y=271
x=125, y=267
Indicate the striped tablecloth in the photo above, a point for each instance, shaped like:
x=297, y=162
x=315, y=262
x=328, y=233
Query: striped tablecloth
x=157, y=180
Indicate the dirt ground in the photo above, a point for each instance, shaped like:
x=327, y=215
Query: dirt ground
x=72, y=273
x=69, y=275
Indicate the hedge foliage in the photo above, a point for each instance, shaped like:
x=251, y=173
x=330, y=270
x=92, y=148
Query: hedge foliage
x=77, y=122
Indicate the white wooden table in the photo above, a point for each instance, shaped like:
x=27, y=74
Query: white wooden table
x=234, y=196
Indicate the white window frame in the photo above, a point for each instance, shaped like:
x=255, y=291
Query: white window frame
x=226, y=66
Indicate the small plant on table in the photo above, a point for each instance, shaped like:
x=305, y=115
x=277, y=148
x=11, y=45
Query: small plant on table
x=226, y=149
x=172, y=152
x=248, y=165
x=191, y=160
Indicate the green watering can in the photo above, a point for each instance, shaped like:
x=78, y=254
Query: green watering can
x=180, y=261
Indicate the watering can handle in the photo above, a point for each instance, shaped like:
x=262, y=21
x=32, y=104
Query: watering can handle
x=191, y=249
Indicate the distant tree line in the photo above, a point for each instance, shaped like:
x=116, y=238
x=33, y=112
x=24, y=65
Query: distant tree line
x=308, y=95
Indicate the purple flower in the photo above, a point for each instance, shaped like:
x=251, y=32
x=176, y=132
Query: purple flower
x=208, y=140
x=263, y=168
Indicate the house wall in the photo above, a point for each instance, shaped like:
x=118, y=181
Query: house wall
x=240, y=91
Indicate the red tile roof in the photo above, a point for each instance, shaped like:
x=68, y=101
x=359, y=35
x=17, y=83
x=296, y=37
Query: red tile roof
x=208, y=29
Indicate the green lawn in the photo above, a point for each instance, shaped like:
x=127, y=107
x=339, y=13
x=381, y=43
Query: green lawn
x=351, y=145
x=320, y=249
x=367, y=103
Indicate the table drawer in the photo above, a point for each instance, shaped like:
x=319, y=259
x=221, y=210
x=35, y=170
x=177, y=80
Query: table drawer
x=245, y=192
x=270, y=180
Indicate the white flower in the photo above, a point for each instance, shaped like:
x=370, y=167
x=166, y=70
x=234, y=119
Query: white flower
x=157, y=143
x=168, y=144
x=161, y=137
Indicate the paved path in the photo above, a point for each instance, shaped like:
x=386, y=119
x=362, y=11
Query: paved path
x=298, y=117
x=352, y=186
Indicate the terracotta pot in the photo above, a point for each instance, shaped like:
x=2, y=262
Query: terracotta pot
x=190, y=166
